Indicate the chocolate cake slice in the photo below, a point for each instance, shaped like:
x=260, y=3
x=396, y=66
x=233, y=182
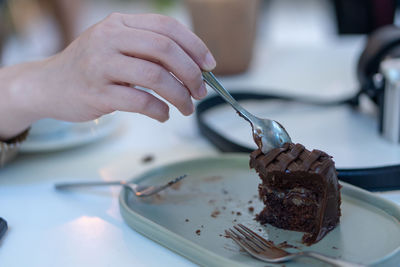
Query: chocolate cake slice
x=300, y=190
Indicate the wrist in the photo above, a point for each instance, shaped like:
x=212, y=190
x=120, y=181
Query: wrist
x=21, y=91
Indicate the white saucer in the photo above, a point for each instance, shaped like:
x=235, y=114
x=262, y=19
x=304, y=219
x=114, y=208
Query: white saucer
x=77, y=134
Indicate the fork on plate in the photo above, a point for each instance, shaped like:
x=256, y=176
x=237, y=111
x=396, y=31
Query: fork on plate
x=265, y=250
x=138, y=190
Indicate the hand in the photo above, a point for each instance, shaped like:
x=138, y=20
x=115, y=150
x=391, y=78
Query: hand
x=93, y=76
x=97, y=73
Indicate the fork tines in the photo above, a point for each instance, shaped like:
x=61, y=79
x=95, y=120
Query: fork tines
x=252, y=242
x=257, y=236
x=152, y=190
x=265, y=250
x=176, y=180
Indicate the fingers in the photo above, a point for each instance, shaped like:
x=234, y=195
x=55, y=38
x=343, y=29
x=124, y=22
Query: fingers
x=150, y=51
x=130, y=99
x=174, y=30
x=160, y=49
x=153, y=76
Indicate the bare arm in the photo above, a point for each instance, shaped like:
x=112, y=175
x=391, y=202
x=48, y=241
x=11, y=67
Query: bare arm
x=18, y=98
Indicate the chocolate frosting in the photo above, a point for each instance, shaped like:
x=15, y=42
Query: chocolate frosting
x=293, y=157
x=292, y=174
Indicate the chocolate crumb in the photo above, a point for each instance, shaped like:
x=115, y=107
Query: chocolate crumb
x=334, y=247
x=198, y=232
x=251, y=209
x=233, y=212
x=250, y=201
x=259, y=230
x=215, y=213
x=234, y=220
x=186, y=220
x=238, y=213
x=148, y=159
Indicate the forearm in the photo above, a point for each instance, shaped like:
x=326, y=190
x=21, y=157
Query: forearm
x=20, y=87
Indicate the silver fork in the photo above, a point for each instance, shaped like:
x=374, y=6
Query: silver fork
x=264, y=250
x=138, y=190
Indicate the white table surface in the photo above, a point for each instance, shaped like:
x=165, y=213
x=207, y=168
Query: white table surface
x=85, y=228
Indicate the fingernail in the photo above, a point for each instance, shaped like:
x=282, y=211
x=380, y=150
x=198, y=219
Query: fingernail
x=209, y=62
x=165, y=114
x=164, y=119
x=190, y=108
x=202, y=90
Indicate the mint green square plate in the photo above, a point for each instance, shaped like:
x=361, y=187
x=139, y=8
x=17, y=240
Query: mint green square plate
x=221, y=191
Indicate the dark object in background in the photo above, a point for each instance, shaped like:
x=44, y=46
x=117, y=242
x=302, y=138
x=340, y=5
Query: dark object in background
x=382, y=45
x=363, y=16
x=3, y=227
x=148, y=159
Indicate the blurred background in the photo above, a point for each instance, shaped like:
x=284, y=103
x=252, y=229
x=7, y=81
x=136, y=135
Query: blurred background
x=32, y=29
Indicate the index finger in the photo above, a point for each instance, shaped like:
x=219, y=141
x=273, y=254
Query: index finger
x=176, y=31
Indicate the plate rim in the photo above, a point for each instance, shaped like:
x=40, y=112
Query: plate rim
x=94, y=132
x=203, y=256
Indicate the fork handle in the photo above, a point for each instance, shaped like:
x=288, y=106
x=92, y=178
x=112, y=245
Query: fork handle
x=61, y=186
x=330, y=260
x=213, y=82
